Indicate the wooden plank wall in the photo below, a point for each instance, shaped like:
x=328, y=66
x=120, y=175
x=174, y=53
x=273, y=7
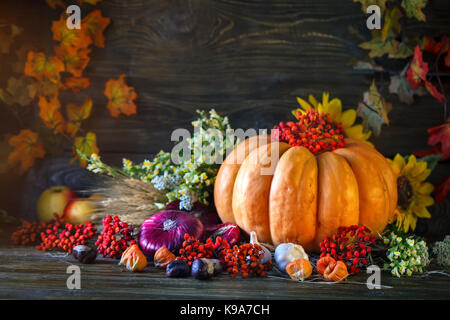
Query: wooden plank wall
x=247, y=59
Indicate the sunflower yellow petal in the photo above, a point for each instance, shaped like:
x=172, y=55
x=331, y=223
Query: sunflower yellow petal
x=426, y=188
x=320, y=108
x=410, y=165
x=348, y=118
x=313, y=101
x=356, y=132
x=334, y=108
x=305, y=105
x=412, y=220
x=421, y=177
x=418, y=169
x=398, y=163
x=325, y=97
x=421, y=212
x=425, y=200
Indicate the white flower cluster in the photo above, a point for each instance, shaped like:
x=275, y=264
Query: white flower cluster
x=406, y=254
x=192, y=180
x=441, y=250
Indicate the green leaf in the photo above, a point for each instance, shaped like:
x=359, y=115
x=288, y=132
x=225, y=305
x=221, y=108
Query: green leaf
x=379, y=48
x=403, y=51
x=374, y=110
x=413, y=8
x=391, y=27
x=432, y=160
x=402, y=88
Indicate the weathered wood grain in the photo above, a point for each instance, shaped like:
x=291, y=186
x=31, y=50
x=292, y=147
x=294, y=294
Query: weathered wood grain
x=26, y=273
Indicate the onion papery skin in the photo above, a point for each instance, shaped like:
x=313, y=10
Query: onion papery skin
x=206, y=214
x=167, y=229
x=227, y=231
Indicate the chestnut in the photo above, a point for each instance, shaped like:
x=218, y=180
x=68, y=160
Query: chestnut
x=85, y=254
x=203, y=269
x=177, y=269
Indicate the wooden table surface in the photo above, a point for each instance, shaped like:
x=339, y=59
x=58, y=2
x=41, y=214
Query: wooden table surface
x=26, y=273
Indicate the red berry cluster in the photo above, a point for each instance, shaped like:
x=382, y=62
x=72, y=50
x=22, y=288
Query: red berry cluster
x=28, y=233
x=351, y=245
x=115, y=238
x=194, y=249
x=313, y=131
x=245, y=259
x=66, y=236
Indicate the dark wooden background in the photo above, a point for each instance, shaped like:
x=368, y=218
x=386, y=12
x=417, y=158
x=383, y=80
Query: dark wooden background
x=247, y=59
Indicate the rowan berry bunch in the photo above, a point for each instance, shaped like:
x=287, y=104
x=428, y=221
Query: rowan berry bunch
x=29, y=233
x=314, y=130
x=245, y=259
x=115, y=238
x=194, y=249
x=65, y=236
x=351, y=245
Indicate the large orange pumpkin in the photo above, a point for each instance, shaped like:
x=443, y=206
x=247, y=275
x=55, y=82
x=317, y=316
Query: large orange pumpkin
x=307, y=196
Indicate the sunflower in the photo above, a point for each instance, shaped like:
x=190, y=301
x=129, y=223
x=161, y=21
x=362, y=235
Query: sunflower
x=413, y=192
x=334, y=109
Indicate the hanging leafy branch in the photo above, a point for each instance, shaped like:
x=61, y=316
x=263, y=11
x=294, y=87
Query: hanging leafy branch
x=418, y=77
x=41, y=77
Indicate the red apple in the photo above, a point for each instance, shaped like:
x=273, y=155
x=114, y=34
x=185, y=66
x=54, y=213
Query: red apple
x=53, y=200
x=79, y=211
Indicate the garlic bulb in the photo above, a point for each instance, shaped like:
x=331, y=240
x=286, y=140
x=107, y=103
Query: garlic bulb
x=267, y=253
x=288, y=252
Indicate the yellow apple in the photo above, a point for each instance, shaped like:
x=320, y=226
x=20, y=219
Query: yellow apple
x=53, y=200
x=79, y=211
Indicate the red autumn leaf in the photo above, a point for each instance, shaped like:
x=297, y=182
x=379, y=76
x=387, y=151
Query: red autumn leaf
x=120, y=97
x=95, y=24
x=86, y=146
x=51, y=115
x=76, y=114
x=434, y=92
x=441, y=190
x=422, y=153
x=27, y=149
x=441, y=134
x=447, y=59
x=74, y=59
x=77, y=84
x=417, y=72
x=77, y=38
x=41, y=68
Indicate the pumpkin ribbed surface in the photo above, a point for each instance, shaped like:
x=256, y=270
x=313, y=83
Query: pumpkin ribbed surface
x=302, y=197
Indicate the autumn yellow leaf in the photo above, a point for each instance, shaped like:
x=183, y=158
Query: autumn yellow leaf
x=86, y=146
x=55, y=3
x=77, y=84
x=27, y=149
x=95, y=24
x=51, y=115
x=76, y=114
x=120, y=97
x=77, y=38
x=41, y=68
x=74, y=59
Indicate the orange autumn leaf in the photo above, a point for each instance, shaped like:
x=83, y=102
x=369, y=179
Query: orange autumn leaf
x=77, y=38
x=86, y=146
x=120, y=97
x=93, y=2
x=55, y=3
x=74, y=59
x=95, y=25
x=51, y=115
x=27, y=149
x=77, y=84
x=76, y=114
x=41, y=68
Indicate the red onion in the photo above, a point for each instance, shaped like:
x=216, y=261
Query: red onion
x=207, y=215
x=228, y=231
x=167, y=228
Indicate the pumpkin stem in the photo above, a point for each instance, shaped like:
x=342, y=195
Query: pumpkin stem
x=253, y=238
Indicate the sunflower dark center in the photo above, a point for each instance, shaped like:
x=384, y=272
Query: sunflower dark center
x=405, y=192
